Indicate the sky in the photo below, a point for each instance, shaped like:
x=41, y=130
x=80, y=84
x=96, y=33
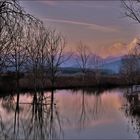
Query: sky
x=99, y=24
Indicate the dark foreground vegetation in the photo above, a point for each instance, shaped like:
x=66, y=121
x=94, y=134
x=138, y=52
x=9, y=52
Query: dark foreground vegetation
x=8, y=82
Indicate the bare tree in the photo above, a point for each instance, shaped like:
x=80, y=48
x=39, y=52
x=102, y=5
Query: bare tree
x=83, y=57
x=45, y=53
x=96, y=62
x=12, y=16
x=55, y=54
x=131, y=63
x=17, y=55
x=132, y=9
x=11, y=12
x=12, y=35
x=5, y=41
x=130, y=68
x=36, y=47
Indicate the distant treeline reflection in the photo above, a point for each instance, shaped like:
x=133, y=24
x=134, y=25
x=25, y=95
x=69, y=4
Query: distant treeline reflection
x=41, y=118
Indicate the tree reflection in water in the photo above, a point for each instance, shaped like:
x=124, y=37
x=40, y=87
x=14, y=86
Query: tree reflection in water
x=38, y=115
x=87, y=111
x=40, y=121
x=132, y=110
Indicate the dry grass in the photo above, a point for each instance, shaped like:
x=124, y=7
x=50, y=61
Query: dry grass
x=8, y=83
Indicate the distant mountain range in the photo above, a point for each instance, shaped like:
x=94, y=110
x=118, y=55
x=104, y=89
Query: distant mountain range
x=111, y=64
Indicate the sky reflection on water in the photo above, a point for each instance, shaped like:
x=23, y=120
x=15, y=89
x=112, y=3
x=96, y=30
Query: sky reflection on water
x=69, y=114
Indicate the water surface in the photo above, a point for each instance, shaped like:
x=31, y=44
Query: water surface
x=70, y=114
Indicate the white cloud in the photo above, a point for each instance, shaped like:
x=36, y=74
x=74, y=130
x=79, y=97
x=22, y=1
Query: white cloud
x=87, y=25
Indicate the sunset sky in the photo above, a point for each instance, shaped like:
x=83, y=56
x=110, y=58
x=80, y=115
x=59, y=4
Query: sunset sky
x=100, y=24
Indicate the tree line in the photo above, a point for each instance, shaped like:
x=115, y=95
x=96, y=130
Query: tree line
x=25, y=43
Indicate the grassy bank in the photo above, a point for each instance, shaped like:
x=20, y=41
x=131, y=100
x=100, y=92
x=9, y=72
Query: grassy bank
x=7, y=83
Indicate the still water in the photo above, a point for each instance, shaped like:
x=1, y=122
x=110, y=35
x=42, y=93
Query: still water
x=70, y=114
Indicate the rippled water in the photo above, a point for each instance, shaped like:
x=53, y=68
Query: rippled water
x=69, y=114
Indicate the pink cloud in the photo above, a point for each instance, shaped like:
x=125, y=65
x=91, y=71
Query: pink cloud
x=118, y=48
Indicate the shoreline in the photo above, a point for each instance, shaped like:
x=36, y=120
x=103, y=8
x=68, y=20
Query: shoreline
x=26, y=85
